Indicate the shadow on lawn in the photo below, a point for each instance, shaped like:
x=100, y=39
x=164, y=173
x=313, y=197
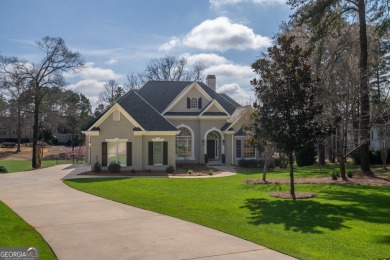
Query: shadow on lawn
x=310, y=216
x=304, y=216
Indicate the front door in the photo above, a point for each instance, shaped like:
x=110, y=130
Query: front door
x=211, y=149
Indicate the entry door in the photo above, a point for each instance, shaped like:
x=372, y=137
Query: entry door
x=211, y=149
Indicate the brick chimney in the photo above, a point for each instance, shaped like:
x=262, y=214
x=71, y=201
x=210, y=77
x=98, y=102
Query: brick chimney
x=211, y=81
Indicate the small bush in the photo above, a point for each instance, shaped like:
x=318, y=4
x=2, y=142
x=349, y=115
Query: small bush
x=282, y=161
x=210, y=172
x=350, y=174
x=189, y=171
x=335, y=175
x=3, y=169
x=170, y=169
x=133, y=171
x=97, y=167
x=114, y=167
x=243, y=163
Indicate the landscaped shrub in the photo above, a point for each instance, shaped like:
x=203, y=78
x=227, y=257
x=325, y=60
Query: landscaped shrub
x=374, y=156
x=170, y=169
x=306, y=156
x=282, y=161
x=133, y=171
x=114, y=167
x=189, y=171
x=243, y=163
x=210, y=172
x=3, y=169
x=335, y=175
x=97, y=167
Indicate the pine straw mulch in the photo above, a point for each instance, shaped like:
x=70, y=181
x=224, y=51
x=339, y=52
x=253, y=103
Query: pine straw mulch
x=358, y=179
x=197, y=170
x=380, y=178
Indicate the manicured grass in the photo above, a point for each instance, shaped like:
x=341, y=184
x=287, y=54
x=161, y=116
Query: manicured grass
x=15, y=232
x=342, y=222
x=25, y=165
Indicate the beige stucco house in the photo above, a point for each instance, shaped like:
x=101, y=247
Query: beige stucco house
x=170, y=122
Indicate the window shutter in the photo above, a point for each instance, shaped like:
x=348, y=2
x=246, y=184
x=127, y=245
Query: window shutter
x=165, y=153
x=188, y=103
x=104, y=153
x=129, y=154
x=150, y=153
x=200, y=103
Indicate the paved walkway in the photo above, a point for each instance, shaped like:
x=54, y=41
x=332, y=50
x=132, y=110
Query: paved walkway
x=82, y=226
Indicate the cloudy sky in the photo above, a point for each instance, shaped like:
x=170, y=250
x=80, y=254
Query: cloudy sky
x=120, y=36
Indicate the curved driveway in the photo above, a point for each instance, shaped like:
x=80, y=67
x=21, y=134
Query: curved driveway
x=78, y=225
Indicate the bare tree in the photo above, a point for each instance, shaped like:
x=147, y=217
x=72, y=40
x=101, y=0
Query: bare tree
x=133, y=82
x=14, y=85
x=111, y=93
x=57, y=59
x=169, y=68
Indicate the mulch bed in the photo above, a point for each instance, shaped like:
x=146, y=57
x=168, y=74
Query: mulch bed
x=358, y=179
x=287, y=195
x=197, y=171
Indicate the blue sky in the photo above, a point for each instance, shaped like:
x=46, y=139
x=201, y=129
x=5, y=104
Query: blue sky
x=120, y=36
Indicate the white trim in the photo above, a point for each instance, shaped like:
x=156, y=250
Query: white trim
x=91, y=133
x=214, y=102
x=118, y=107
x=239, y=117
x=149, y=133
x=222, y=140
x=192, y=142
x=116, y=140
x=184, y=93
x=158, y=139
x=197, y=117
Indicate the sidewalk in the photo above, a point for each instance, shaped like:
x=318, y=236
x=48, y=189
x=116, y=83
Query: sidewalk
x=82, y=226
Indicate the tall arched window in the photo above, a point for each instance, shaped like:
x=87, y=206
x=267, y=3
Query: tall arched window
x=184, y=144
x=194, y=103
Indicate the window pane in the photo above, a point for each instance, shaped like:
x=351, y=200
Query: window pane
x=238, y=148
x=184, y=143
x=249, y=150
x=111, y=152
x=157, y=153
x=194, y=103
x=122, y=153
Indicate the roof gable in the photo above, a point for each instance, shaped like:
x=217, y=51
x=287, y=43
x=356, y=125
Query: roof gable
x=162, y=94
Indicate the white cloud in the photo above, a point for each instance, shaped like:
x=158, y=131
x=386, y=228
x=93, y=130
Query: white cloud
x=231, y=72
x=91, y=72
x=90, y=88
x=112, y=61
x=237, y=93
x=220, y=34
x=219, y=3
x=207, y=59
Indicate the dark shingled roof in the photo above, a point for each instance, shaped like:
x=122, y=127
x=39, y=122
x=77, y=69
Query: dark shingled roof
x=182, y=114
x=161, y=93
x=230, y=99
x=214, y=114
x=240, y=132
x=144, y=113
x=226, y=126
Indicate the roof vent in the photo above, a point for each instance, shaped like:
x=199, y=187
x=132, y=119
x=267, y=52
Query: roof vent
x=211, y=81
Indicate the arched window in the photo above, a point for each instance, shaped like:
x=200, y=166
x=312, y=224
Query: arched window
x=184, y=144
x=194, y=103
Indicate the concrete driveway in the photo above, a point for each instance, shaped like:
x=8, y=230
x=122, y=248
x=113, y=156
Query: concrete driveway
x=82, y=226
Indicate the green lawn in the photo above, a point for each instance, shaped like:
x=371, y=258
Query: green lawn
x=342, y=222
x=25, y=165
x=15, y=232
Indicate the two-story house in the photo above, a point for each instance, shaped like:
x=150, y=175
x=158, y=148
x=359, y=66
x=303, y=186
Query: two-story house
x=169, y=122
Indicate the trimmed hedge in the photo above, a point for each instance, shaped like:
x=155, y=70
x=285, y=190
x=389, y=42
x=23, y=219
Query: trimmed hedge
x=306, y=156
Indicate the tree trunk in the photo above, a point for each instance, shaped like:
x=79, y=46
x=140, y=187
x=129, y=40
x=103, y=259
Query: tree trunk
x=18, y=129
x=291, y=162
x=35, y=163
x=332, y=157
x=265, y=170
x=341, y=160
x=321, y=154
x=364, y=91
